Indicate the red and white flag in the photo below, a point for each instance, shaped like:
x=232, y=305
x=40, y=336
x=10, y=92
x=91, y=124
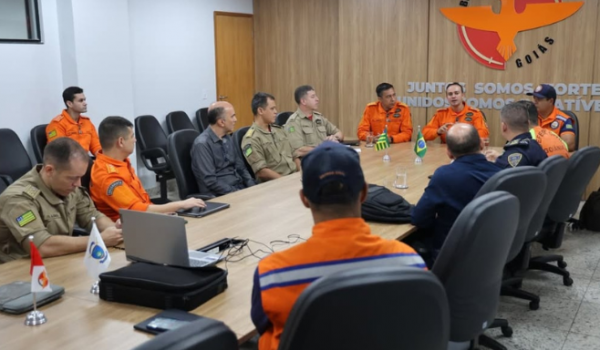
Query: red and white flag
x=39, y=276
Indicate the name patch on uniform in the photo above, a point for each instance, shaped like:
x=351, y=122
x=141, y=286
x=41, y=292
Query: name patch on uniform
x=469, y=119
x=25, y=218
x=554, y=125
x=397, y=115
x=291, y=129
x=469, y=114
x=52, y=134
x=514, y=159
x=112, y=187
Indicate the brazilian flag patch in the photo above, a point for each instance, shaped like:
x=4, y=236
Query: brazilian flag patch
x=52, y=134
x=248, y=151
x=25, y=218
x=291, y=129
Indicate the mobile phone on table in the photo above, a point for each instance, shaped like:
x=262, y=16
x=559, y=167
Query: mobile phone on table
x=163, y=324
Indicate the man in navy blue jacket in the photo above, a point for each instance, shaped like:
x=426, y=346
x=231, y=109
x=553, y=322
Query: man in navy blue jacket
x=451, y=187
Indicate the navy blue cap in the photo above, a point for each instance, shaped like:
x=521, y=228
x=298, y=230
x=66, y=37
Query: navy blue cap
x=544, y=91
x=332, y=162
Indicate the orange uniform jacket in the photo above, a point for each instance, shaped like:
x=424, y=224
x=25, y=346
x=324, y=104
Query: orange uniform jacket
x=557, y=122
x=115, y=186
x=551, y=143
x=468, y=115
x=83, y=131
x=398, y=120
x=282, y=276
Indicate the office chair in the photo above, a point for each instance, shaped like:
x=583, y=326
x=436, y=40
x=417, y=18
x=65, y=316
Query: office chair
x=178, y=120
x=371, y=308
x=203, y=334
x=179, y=146
x=470, y=266
x=238, y=136
x=39, y=141
x=581, y=168
x=202, y=118
x=5, y=181
x=152, y=144
x=14, y=160
x=554, y=168
x=282, y=118
x=576, y=120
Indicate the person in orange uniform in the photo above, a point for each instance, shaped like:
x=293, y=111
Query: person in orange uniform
x=72, y=124
x=387, y=111
x=333, y=188
x=458, y=112
x=550, y=117
x=551, y=143
x=114, y=184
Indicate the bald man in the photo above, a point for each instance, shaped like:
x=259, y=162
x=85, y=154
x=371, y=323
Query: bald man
x=218, y=168
x=451, y=187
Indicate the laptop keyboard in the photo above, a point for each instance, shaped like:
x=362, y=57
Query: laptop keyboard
x=197, y=263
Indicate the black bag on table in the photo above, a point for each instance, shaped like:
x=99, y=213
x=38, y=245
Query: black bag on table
x=162, y=287
x=383, y=205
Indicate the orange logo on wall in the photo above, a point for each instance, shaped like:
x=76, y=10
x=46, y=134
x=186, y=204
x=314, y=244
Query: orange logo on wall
x=489, y=37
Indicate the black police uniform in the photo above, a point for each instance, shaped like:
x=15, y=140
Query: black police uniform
x=521, y=151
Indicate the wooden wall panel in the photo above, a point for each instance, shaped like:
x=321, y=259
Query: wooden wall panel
x=568, y=60
x=346, y=47
x=296, y=44
x=594, y=127
x=380, y=41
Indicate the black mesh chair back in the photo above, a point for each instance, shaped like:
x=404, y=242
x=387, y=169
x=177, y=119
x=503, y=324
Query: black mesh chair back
x=179, y=145
x=583, y=164
x=152, y=144
x=178, y=120
x=203, y=334
x=202, y=118
x=14, y=160
x=555, y=168
x=238, y=135
x=370, y=308
x=472, y=259
x=39, y=141
x=576, y=122
x=282, y=118
x=528, y=184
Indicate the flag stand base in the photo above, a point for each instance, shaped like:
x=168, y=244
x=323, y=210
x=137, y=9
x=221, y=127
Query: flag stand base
x=418, y=160
x=386, y=157
x=35, y=318
x=95, y=288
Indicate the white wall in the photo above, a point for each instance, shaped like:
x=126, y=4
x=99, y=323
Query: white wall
x=31, y=79
x=173, y=54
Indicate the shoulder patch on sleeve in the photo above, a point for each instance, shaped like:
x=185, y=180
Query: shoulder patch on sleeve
x=112, y=186
x=514, y=159
x=26, y=218
x=111, y=169
x=247, y=150
x=31, y=191
x=52, y=133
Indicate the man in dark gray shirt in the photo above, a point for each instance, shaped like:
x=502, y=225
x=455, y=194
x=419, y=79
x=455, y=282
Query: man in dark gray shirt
x=217, y=166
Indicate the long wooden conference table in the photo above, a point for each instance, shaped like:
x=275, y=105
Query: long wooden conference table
x=263, y=213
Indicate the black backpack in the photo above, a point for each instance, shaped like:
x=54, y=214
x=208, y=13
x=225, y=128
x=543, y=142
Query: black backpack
x=383, y=205
x=589, y=218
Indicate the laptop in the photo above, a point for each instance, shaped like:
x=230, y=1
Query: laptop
x=160, y=239
x=198, y=212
